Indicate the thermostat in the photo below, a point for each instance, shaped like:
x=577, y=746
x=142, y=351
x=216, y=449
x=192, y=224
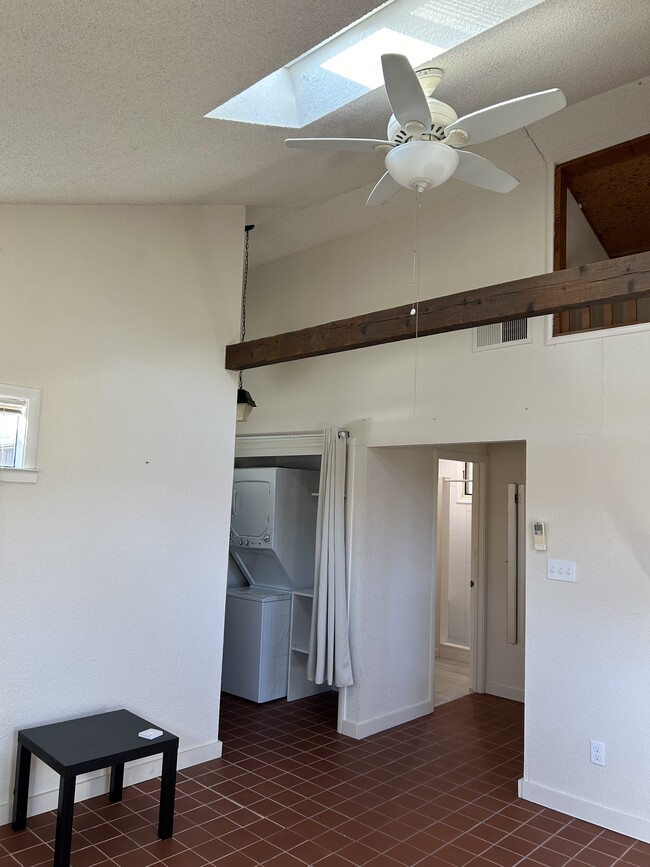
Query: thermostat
x=539, y=535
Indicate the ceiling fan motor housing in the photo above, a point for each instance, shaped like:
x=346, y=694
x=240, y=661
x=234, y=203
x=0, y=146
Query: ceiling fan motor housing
x=441, y=115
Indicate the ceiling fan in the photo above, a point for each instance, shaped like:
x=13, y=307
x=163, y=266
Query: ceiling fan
x=424, y=134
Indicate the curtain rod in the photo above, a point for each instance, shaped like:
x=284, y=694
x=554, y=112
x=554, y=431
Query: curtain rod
x=279, y=436
x=288, y=436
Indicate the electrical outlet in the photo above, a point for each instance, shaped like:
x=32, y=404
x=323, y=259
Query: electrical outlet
x=561, y=570
x=597, y=753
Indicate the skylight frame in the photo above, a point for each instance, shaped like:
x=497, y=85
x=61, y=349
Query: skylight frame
x=305, y=90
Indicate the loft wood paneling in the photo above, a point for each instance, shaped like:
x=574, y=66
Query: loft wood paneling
x=612, y=187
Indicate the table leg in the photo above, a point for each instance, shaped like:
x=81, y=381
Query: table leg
x=117, y=782
x=21, y=789
x=167, y=793
x=63, y=837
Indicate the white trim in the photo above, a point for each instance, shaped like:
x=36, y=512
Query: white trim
x=349, y=524
x=597, y=814
x=478, y=637
x=502, y=690
x=512, y=564
x=455, y=652
x=458, y=453
x=441, y=577
x=386, y=721
x=10, y=474
x=90, y=785
x=596, y=334
x=269, y=445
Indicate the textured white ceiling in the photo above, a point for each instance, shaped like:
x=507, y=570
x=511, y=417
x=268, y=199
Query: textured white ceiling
x=104, y=102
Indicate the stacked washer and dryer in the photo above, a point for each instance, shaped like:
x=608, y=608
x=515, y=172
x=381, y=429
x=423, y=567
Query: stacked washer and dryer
x=272, y=541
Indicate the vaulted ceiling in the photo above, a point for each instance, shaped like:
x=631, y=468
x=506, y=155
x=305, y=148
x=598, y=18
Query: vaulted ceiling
x=104, y=102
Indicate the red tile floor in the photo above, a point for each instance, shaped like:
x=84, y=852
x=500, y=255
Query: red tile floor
x=290, y=791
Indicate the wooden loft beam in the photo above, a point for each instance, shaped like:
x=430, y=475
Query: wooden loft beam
x=625, y=278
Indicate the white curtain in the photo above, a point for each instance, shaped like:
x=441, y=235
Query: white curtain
x=329, y=647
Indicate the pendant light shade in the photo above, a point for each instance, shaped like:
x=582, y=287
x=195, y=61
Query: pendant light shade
x=420, y=165
x=245, y=404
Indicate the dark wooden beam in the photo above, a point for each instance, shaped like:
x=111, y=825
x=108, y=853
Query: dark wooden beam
x=620, y=279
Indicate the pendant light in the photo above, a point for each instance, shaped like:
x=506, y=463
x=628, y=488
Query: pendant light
x=245, y=402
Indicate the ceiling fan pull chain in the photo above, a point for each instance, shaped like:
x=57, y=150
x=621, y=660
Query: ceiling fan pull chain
x=416, y=259
x=415, y=310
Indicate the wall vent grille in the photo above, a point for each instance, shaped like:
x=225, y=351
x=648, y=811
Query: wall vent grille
x=502, y=334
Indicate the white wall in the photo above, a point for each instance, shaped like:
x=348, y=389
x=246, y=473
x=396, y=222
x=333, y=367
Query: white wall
x=582, y=244
x=577, y=404
x=391, y=612
x=113, y=564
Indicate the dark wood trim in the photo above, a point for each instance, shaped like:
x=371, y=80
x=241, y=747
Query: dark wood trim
x=608, y=315
x=559, y=220
x=618, y=153
x=625, y=278
x=561, y=322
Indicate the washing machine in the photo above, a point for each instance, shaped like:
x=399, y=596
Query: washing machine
x=256, y=643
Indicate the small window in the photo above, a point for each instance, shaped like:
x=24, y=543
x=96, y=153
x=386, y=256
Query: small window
x=12, y=437
x=19, y=412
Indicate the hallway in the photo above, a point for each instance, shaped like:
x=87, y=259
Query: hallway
x=290, y=791
x=451, y=680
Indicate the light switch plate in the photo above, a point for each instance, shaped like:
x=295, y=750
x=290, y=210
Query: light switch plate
x=561, y=570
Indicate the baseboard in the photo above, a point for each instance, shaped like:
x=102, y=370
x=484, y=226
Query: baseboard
x=359, y=730
x=597, y=814
x=504, y=691
x=454, y=652
x=90, y=785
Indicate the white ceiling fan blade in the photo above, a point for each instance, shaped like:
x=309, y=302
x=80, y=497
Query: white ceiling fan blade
x=473, y=169
x=405, y=94
x=384, y=189
x=507, y=116
x=338, y=144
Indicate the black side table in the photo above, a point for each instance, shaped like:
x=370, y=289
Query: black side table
x=87, y=744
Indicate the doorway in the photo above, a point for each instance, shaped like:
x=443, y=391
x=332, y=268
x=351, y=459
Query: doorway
x=268, y=647
x=461, y=581
x=480, y=571
x=454, y=570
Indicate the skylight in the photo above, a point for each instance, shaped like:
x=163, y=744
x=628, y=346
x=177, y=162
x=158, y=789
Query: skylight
x=348, y=65
x=361, y=62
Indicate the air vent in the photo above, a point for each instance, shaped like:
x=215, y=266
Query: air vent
x=501, y=334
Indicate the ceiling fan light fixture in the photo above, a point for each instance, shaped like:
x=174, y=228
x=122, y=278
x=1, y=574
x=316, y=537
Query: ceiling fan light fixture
x=421, y=165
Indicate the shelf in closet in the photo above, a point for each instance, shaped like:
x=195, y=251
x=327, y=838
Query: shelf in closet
x=299, y=686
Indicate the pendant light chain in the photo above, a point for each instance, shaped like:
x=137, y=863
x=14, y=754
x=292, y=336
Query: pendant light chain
x=247, y=229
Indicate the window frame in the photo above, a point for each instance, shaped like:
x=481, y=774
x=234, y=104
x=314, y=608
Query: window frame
x=31, y=399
